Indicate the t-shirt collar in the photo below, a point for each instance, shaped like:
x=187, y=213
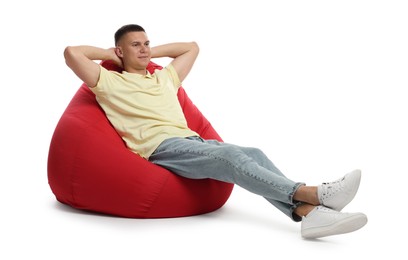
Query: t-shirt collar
x=148, y=75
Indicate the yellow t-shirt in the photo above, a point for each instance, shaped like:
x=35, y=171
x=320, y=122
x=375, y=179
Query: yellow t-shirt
x=144, y=110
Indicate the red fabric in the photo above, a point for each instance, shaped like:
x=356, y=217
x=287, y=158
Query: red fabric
x=90, y=168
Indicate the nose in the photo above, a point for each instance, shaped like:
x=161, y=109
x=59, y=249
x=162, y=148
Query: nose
x=143, y=49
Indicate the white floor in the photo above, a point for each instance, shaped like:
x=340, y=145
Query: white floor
x=320, y=87
x=36, y=226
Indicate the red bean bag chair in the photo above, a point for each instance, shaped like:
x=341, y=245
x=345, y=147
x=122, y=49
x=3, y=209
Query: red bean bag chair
x=90, y=168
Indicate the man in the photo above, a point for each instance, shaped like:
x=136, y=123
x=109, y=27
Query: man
x=144, y=110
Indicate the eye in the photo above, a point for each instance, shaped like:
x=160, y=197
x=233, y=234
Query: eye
x=147, y=44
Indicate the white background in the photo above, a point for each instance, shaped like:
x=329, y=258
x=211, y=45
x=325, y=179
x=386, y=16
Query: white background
x=318, y=85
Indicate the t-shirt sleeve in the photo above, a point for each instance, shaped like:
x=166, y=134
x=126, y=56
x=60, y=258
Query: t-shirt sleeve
x=103, y=82
x=173, y=76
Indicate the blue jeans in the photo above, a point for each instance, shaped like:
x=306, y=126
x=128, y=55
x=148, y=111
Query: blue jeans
x=249, y=168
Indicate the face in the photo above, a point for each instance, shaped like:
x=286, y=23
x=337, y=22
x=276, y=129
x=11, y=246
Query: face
x=134, y=49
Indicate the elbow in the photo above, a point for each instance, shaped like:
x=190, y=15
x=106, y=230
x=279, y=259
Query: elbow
x=67, y=51
x=69, y=55
x=195, y=47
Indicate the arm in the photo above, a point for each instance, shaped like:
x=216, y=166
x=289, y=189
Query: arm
x=81, y=60
x=184, y=55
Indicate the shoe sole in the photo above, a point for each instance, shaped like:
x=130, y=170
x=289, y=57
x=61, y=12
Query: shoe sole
x=344, y=226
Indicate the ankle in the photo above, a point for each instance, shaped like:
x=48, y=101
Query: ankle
x=307, y=194
x=304, y=209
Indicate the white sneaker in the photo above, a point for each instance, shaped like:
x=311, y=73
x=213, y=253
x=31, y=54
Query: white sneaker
x=322, y=221
x=337, y=194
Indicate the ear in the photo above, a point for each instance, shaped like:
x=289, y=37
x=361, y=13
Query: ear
x=119, y=52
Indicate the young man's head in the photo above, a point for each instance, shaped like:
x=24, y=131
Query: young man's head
x=133, y=47
x=125, y=29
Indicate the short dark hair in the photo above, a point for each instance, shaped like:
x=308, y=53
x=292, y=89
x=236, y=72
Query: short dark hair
x=125, y=29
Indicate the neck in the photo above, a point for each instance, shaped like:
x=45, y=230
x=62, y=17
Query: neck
x=142, y=71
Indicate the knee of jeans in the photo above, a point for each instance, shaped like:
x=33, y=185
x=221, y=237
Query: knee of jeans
x=230, y=153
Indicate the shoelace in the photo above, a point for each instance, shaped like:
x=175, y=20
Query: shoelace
x=320, y=208
x=331, y=188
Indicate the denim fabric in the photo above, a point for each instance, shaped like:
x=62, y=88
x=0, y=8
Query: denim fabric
x=247, y=167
